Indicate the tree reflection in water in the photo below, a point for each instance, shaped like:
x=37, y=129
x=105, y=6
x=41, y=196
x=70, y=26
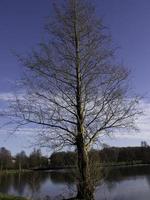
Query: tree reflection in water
x=58, y=184
x=30, y=183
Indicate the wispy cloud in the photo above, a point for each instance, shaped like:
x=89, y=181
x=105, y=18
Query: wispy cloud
x=142, y=123
x=9, y=96
x=6, y=96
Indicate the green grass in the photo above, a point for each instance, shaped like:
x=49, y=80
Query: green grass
x=9, y=197
x=13, y=171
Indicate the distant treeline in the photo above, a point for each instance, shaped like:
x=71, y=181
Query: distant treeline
x=108, y=155
x=21, y=160
x=111, y=155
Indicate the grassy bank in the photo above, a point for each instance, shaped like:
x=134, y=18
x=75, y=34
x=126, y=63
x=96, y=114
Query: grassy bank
x=12, y=171
x=107, y=164
x=8, y=197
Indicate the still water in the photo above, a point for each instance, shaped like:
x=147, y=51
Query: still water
x=128, y=183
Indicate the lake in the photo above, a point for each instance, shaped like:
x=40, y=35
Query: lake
x=124, y=183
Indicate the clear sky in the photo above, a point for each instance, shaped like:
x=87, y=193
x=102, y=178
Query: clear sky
x=21, y=28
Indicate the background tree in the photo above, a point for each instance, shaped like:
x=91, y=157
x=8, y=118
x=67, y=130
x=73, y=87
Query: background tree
x=35, y=159
x=144, y=144
x=21, y=161
x=74, y=90
x=63, y=159
x=5, y=159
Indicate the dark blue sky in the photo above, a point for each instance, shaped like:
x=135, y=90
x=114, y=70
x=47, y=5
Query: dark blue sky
x=21, y=28
x=129, y=23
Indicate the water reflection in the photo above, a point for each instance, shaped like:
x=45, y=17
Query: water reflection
x=63, y=177
x=121, y=183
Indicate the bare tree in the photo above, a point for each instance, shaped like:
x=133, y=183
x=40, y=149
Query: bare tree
x=74, y=90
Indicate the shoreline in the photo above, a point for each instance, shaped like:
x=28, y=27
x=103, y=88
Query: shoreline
x=13, y=171
x=116, y=165
x=10, y=171
x=11, y=197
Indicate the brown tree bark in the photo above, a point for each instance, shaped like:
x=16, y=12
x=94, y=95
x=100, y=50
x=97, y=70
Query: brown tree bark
x=85, y=188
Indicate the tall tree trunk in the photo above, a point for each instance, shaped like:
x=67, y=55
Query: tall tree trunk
x=20, y=168
x=85, y=188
